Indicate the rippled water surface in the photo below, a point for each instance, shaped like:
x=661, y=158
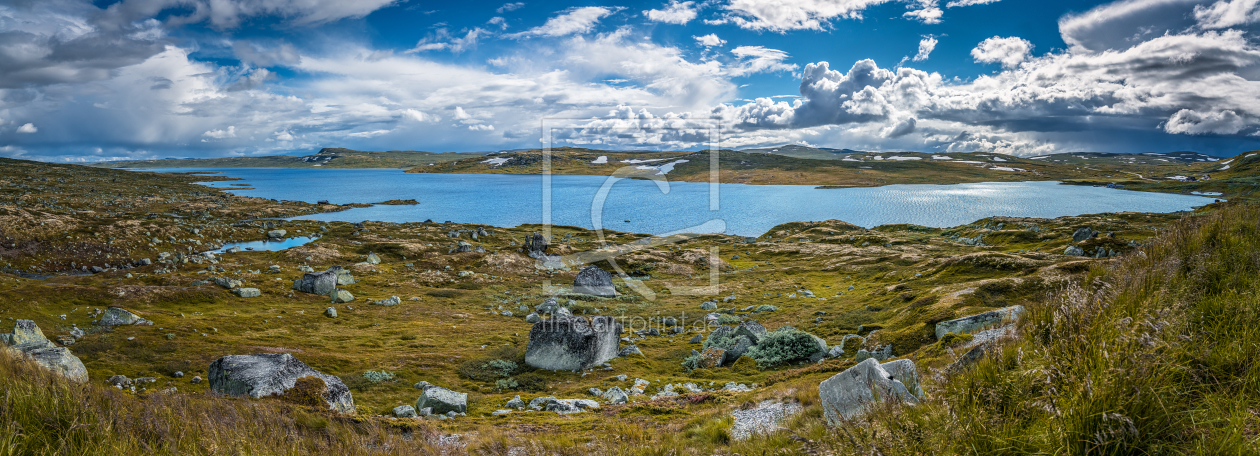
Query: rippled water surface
x=640, y=206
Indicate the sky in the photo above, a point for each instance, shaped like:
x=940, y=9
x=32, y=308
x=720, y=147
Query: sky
x=141, y=79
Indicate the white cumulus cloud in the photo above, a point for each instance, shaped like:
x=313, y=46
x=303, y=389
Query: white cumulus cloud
x=572, y=21
x=27, y=128
x=709, y=40
x=674, y=13
x=926, y=46
x=1010, y=52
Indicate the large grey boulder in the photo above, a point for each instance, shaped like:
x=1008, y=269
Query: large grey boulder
x=742, y=344
x=1083, y=234
x=340, y=296
x=973, y=323
x=850, y=393
x=594, y=281
x=273, y=374
x=752, y=330
x=572, y=343
x=277, y=234
x=320, y=283
x=29, y=341
x=441, y=400
x=616, y=395
x=118, y=316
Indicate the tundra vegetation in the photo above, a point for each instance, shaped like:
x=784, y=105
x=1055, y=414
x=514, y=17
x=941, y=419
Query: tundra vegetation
x=1143, y=342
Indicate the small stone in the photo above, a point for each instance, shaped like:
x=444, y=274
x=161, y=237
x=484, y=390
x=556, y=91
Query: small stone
x=330, y=312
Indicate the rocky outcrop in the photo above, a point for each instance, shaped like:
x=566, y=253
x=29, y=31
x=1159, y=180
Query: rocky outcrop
x=973, y=323
x=850, y=393
x=27, y=340
x=572, y=343
x=269, y=374
x=441, y=400
x=320, y=283
x=118, y=316
x=594, y=281
x=536, y=245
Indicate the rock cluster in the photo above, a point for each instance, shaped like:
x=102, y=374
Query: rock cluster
x=28, y=341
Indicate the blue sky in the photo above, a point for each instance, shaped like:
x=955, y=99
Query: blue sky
x=86, y=81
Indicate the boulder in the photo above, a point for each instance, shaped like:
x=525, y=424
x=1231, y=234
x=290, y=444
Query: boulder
x=566, y=406
x=548, y=305
x=320, y=283
x=973, y=323
x=227, y=283
x=515, y=403
x=276, y=234
x=29, y=341
x=273, y=374
x=463, y=247
x=695, y=340
x=372, y=258
x=340, y=296
x=752, y=330
x=535, y=245
x=405, y=411
x=742, y=344
x=330, y=312
x=973, y=355
x=441, y=400
x=615, y=395
x=594, y=281
x=630, y=350
x=572, y=343
x=390, y=301
x=533, y=318
x=118, y=316
x=1083, y=234
x=247, y=292
x=1074, y=251
x=849, y=394
x=344, y=277
x=538, y=402
x=712, y=357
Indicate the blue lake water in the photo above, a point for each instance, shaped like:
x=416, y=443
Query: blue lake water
x=268, y=245
x=640, y=206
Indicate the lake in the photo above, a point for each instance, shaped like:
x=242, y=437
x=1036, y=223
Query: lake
x=640, y=206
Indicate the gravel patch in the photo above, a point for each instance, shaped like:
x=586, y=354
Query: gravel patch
x=762, y=419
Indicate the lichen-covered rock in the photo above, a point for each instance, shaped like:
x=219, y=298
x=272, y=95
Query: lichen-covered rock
x=272, y=374
x=29, y=341
x=849, y=394
x=594, y=281
x=616, y=395
x=390, y=301
x=752, y=330
x=330, y=312
x=712, y=357
x=118, y=316
x=227, y=283
x=973, y=323
x=405, y=411
x=276, y=234
x=320, y=283
x=515, y=403
x=247, y=292
x=572, y=343
x=1074, y=251
x=372, y=258
x=340, y=296
x=441, y=400
x=344, y=277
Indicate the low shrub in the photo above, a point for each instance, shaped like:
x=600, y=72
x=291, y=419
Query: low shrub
x=783, y=346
